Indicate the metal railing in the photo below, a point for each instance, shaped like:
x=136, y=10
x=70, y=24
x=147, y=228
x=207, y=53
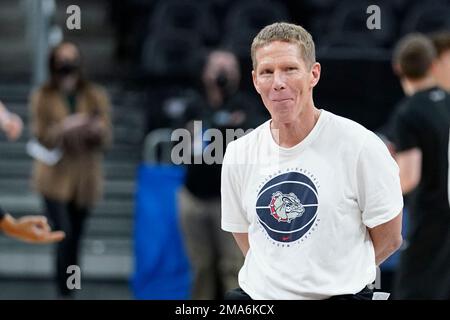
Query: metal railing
x=41, y=35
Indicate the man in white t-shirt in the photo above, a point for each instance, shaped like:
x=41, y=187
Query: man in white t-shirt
x=312, y=199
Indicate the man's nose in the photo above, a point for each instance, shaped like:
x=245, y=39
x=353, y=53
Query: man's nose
x=278, y=81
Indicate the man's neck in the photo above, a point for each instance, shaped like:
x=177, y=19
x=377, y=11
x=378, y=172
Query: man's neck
x=287, y=135
x=214, y=96
x=411, y=87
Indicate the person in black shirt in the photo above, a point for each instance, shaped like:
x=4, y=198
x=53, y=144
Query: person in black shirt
x=420, y=134
x=215, y=258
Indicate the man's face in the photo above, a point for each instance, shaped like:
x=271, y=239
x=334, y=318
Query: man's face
x=284, y=81
x=442, y=70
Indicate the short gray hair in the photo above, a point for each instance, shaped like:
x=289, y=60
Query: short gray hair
x=286, y=32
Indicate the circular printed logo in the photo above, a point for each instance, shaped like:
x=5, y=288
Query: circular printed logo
x=287, y=206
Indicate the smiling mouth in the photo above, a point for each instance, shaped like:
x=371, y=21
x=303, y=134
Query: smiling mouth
x=281, y=100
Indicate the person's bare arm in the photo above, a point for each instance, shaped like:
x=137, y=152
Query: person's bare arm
x=409, y=163
x=32, y=229
x=386, y=238
x=242, y=242
x=10, y=123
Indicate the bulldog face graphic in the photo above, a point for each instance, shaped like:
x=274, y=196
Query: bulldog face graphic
x=285, y=207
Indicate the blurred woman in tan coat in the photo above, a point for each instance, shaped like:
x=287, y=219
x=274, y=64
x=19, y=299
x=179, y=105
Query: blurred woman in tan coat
x=71, y=115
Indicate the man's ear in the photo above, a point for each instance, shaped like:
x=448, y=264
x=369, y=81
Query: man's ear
x=315, y=71
x=397, y=69
x=255, y=81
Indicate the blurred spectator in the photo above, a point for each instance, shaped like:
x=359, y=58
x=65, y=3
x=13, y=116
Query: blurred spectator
x=33, y=229
x=420, y=132
x=441, y=68
x=215, y=258
x=72, y=115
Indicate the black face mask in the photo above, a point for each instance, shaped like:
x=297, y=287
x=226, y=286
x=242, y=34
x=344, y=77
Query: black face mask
x=67, y=68
x=223, y=83
x=222, y=80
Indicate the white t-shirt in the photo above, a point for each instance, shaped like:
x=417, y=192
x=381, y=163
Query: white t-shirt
x=306, y=208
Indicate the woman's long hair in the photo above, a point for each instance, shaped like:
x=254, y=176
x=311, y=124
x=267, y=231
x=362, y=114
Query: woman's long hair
x=54, y=79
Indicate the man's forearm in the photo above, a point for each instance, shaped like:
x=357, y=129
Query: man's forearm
x=386, y=238
x=7, y=223
x=384, y=252
x=242, y=242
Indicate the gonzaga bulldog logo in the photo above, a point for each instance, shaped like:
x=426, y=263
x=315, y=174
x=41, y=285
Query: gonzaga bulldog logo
x=287, y=206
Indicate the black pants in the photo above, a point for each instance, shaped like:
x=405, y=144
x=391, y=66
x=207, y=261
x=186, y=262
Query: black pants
x=364, y=294
x=69, y=218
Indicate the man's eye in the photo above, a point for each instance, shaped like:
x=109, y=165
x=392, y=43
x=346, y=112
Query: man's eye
x=266, y=71
x=291, y=68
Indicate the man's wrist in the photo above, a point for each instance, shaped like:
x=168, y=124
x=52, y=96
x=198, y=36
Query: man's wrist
x=7, y=224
